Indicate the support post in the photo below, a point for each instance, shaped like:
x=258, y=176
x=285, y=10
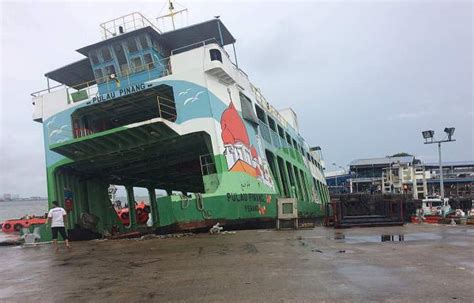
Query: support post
x=235, y=55
x=131, y=207
x=153, y=206
x=220, y=32
x=49, y=88
x=441, y=181
x=278, y=176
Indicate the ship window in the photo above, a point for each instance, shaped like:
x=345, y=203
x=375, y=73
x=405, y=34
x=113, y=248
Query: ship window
x=132, y=45
x=288, y=138
x=247, y=109
x=137, y=65
x=260, y=114
x=99, y=76
x=94, y=58
x=281, y=132
x=207, y=165
x=215, y=55
x=271, y=122
x=149, y=61
x=122, y=60
x=109, y=70
x=105, y=53
x=144, y=42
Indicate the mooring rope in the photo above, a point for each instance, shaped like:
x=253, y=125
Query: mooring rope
x=206, y=214
x=184, y=198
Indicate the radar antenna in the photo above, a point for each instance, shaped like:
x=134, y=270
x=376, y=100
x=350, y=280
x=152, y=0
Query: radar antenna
x=174, y=8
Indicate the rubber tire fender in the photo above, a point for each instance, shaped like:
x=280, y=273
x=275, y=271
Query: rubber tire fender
x=7, y=226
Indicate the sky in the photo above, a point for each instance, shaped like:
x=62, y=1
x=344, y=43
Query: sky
x=364, y=77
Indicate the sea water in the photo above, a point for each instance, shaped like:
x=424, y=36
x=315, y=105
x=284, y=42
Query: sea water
x=18, y=209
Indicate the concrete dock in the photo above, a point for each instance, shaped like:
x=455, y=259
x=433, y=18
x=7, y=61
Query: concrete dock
x=413, y=263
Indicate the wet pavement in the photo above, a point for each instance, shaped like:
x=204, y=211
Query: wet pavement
x=413, y=263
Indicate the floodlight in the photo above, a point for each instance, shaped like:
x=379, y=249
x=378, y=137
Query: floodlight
x=449, y=131
x=428, y=134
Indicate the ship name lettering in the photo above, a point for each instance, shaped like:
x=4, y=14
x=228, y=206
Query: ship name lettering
x=244, y=197
x=121, y=92
x=132, y=89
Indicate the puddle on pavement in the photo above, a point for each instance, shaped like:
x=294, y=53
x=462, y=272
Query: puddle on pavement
x=339, y=237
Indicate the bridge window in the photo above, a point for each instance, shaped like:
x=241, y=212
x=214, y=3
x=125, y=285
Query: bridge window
x=148, y=61
x=94, y=58
x=109, y=70
x=105, y=53
x=215, y=55
x=99, y=76
x=144, y=42
x=137, y=65
x=121, y=58
x=132, y=45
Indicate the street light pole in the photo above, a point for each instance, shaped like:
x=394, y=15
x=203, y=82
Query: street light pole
x=441, y=181
x=428, y=136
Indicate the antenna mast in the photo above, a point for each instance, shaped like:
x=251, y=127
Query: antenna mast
x=172, y=12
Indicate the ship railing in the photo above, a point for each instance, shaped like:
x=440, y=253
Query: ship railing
x=265, y=104
x=166, y=110
x=191, y=46
x=188, y=47
x=82, y=132
x=123, y=78
x=125, y=24
x=258, y=95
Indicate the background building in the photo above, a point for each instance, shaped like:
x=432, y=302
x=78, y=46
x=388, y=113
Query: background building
x=403, y=174
x=458, y=178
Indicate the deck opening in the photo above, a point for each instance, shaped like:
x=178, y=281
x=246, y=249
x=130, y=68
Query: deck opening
x=148, y=104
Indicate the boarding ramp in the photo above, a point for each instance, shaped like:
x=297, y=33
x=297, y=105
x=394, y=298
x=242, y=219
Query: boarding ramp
x=354, y=210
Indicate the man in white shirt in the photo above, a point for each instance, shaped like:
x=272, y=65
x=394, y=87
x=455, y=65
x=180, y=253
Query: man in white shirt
x=56, y=218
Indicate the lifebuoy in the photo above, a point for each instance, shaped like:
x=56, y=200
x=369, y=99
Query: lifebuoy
x=124, y=216
x=17, y=227
x=7, y=226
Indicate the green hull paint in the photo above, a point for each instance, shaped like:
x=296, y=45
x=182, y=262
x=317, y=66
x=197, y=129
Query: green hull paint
x=227, y=195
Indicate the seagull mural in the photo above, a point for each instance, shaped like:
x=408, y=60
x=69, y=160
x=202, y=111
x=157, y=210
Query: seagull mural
x=62, y=140
x=184, y=92
x=57, y=131
x=51, y=122
x=193, y=99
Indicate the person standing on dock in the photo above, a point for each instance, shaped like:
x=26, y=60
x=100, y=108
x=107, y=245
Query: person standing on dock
x=57, y=218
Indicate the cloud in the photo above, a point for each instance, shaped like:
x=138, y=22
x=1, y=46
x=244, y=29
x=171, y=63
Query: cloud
x=364, y=77
x=405, y=116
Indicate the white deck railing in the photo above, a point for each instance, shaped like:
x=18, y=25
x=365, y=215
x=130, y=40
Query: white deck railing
x=91, y=88
x=125, y=24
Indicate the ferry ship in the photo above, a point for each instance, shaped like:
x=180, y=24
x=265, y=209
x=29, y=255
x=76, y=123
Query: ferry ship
x=172, y=111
